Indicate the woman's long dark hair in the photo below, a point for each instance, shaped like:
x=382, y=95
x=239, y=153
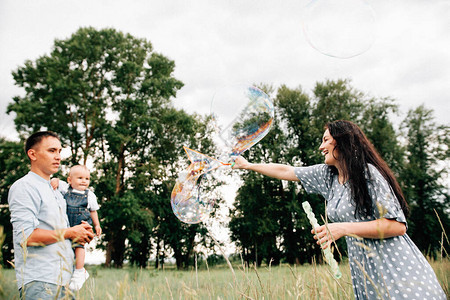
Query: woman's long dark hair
x=354, y=153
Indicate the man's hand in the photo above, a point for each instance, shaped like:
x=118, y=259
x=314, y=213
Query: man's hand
x=81, y=234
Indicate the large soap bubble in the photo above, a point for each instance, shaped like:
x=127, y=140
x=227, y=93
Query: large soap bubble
x=243, y=115
x=190, y=201
x=339, y=28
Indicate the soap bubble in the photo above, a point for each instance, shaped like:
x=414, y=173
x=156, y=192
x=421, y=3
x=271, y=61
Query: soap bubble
x=339, y=28
x=191, y=200
x=243, y=115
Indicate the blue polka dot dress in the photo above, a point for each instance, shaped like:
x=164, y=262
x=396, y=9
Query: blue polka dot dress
x=391, y=268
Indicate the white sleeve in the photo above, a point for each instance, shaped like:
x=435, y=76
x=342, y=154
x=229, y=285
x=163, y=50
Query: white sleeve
x=63, y=187
x=92, y=201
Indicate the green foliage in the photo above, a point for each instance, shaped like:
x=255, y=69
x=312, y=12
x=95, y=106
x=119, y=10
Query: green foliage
x=427, y=149
x=336, y=100
x=253, y=224
x=13, y=165
x=380, y=131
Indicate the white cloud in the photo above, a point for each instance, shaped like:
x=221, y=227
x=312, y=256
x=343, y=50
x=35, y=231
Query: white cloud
x=218, y=43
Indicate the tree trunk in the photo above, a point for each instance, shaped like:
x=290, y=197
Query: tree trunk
x=108, y=254
x=178, y=260
x=120, y=164
x=116, y=247
x=157, y=254
x=256, y=255
x=118, y=251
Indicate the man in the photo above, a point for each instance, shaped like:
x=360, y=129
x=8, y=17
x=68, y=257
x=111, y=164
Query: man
x=42, y=237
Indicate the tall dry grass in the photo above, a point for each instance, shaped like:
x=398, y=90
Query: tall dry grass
x=267, y=282
x=227, y=281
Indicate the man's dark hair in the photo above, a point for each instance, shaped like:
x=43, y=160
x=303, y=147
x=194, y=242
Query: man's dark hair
x=37, y=137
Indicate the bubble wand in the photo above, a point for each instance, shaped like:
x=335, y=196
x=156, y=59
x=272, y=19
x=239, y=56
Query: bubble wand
x=329, y=258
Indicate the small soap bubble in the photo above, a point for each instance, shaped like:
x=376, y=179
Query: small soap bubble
x=339, y=28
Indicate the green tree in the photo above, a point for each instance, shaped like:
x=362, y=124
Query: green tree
x=254, y=221
x=164, y=160
x=336, y=100
x=68, y=91
x=254, y=225
x=108, y=95
x=13, y=165
x=140, y=107
x=295, y=111
x=427, y=153
x=379, y=129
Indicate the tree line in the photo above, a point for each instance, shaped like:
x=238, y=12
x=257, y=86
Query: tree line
x=110, y=97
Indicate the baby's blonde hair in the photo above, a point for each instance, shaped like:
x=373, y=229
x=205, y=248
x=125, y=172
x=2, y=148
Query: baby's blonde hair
x=74, y=168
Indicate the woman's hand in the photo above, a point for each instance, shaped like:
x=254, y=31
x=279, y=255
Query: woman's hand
x=325, y=235
x=376, y=229
x=240, y=163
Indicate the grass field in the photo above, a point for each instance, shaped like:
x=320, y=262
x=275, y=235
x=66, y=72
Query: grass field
x=266, y=282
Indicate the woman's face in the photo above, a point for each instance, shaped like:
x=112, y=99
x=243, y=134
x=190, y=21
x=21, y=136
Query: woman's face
x=327, y=148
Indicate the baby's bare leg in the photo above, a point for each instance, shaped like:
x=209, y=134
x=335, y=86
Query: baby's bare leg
x=80, y=255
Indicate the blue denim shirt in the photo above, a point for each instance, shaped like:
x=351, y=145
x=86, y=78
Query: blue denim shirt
x=34, y=204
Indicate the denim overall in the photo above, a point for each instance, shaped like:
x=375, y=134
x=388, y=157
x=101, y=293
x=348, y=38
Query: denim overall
x=77, y=210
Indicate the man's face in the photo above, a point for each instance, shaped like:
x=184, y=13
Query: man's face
x=46, y=157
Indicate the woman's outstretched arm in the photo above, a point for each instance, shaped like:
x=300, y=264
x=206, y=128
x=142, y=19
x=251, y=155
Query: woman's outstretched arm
x=279, y=171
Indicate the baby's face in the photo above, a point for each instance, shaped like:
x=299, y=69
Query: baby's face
x=79, y=179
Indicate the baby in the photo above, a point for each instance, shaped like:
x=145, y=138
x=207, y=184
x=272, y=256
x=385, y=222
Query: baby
x=81, y=206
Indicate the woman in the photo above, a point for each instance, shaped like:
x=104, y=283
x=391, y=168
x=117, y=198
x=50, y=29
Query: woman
x=367, y=206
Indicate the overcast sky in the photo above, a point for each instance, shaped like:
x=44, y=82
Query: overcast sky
x=215, y=43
